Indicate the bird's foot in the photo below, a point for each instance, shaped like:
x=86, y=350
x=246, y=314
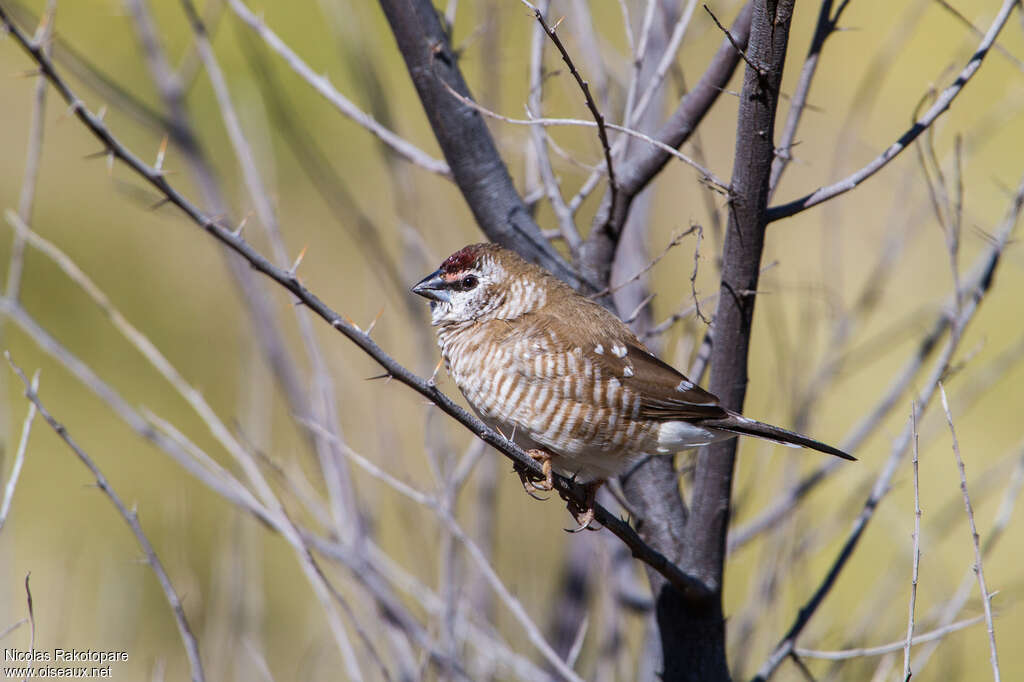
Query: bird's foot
x=532, y=481
x=584, y=513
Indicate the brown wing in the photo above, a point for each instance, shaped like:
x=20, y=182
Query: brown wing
x=600, y=338
x=665, y=393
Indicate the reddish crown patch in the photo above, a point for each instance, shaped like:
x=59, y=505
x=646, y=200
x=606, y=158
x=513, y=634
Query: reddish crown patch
x=461, y=259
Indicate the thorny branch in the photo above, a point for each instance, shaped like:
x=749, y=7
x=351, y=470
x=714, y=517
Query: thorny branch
x=602, y=132
x=290, y=281
x=973, y=297
x=979, y=570
x=942, y=103
x=131, y=518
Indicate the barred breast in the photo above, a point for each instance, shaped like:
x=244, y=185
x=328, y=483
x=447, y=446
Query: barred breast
x=546, y=394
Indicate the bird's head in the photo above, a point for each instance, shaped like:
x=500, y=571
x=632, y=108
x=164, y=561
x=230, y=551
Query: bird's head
x=481, y=282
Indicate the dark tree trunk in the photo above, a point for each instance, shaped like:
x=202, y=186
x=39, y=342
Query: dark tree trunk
x=703, y=547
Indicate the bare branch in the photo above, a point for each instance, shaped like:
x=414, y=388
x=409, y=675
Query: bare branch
x=941, y=105
x=19, y=457
x=443, y=514
x=644, y=164
x=978, y=32
x=32, y=625
x=881, y=487
x=826, y=26
x=402, y=147
x=26, y=199
x=933, y=636
x=602, y=132
x=265, y=325
x=708, y=176
x=979, y=282
x=336, y=476
x=131, y=518
x=227, y=236
x=916, y=552
x=986, y=597
x=566, y=224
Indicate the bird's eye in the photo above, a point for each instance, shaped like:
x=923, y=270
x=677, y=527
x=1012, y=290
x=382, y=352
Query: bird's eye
x=469, y=282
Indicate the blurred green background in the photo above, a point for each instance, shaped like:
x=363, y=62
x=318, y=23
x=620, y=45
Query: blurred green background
x=242, y=588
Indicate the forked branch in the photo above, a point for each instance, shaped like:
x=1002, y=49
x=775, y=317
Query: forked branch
x=689, y=586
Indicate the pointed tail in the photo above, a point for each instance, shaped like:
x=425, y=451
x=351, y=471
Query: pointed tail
x=740, y=425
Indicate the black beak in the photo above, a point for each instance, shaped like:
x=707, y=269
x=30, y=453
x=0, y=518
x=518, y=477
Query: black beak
x=433, y=287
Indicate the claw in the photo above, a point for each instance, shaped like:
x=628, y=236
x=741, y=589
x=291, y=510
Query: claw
x=533, y=482
x=584, y=513
x=548, y=482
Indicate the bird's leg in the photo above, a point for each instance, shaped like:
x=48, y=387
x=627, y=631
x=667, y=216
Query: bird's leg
x=584, y=513
x=533, y=482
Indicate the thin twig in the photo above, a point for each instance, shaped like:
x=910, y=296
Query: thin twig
x=977, y=31
x=826, y=26
x=692, y=308
x=322, y=85
x=31, y=625
x=602, y=132
x=668, y=58
x=881, y=487
x=999, y=524
x=12, y=627
x=942, y=103
x=19, y=457
x=638, y=53
x=986, y=598
x=675, y=241
x=708, y=176
x=916, y=550
x=691, y=110
x=732, y=41
x=687, y=584
x=131, y=518
x=208, y=472
x=26, y=199
x=339, y=486
x=443, y=514
x=979, y=282
x=933, y=636
x=539, y=136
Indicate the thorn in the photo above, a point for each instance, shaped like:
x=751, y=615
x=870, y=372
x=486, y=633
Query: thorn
x=385, y=375
x=64, y=115
x=160, y=154
x=351, y=323
x=27, y=73
x=110, y=162
x=374, y=323
x=238, y=230
x=557, y=24
x=102, y=112
x=96, y=155
x=433, y=377
x=44, y=21
x=159, y=203
x=295, y=265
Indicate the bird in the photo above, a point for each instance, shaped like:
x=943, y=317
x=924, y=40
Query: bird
x=565, y=379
